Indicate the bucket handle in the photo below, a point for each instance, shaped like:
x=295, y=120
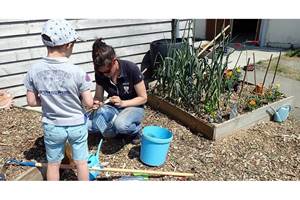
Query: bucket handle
x=289, y=107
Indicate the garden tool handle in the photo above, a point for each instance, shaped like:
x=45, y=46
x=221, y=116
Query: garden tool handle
x=24, y=163
x=68, y=166
x=99, y=147
x=211, y=42
x=149, y=172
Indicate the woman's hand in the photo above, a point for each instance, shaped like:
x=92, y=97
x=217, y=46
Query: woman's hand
x=117, y=101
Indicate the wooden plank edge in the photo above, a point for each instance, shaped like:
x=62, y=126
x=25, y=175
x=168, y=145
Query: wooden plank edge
x=196, y=125
x=32, y=174
x=260, y=114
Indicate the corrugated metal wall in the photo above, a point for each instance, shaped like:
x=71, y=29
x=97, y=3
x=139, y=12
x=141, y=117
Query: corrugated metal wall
x=21, y=45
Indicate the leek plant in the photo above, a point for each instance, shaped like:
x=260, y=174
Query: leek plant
x=195, y=84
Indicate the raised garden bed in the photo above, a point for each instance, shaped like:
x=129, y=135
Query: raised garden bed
x=215, y=131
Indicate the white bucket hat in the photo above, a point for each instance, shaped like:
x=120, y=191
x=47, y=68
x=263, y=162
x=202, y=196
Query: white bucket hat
x=58, y=32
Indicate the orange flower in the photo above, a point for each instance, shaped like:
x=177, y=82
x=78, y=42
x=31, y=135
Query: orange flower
x=252, y=102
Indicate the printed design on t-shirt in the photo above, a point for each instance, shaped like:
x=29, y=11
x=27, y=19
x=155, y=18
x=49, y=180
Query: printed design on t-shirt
x=52, y=82
x=87, y=77
x=126, y=87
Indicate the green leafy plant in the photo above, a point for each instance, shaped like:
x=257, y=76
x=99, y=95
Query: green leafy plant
x=194, y=83
x=272, y=93
x=231, y=78
x=253, y=102
x=206, y=86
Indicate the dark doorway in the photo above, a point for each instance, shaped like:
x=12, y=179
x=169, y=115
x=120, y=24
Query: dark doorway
x=212, y=24
x=245, y=30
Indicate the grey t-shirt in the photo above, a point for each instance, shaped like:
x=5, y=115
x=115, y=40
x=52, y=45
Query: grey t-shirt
x=59, y=85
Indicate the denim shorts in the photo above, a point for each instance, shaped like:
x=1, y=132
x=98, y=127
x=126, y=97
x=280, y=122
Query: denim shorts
x=55, y=138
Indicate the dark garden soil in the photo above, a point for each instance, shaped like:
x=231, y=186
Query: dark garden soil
x=266, y=151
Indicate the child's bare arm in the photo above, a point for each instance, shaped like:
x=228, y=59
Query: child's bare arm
x=33, y=99
x=87, y=98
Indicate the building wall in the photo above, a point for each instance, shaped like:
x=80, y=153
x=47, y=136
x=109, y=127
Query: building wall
x=21, y=45
x=282, y=33
x=273, y=32
x=200, y=29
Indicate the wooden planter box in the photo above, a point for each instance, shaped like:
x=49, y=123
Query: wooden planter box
x=32, y=174
x=215, y=131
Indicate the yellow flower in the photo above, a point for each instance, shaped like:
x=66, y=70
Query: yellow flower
x=213, y=114
x=252, y=102
x=229, y=74
x=238, y=69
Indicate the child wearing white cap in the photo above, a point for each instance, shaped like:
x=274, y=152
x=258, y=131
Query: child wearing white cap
x=62, y=89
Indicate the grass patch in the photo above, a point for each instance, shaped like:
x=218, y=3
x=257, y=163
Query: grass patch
x=292, y=53
x=288, y=66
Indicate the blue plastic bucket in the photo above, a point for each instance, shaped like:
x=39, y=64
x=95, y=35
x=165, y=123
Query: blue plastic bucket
x=155, y=145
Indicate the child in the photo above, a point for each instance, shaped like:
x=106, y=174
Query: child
x=59, y=87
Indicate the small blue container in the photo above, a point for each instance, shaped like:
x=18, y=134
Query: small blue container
x=282, y=113
x=155, y=145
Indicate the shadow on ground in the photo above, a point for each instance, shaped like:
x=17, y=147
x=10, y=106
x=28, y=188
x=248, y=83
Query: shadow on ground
x=109, y=145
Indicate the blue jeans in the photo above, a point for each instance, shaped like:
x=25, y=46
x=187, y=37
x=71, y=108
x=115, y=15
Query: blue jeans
x=111, y=121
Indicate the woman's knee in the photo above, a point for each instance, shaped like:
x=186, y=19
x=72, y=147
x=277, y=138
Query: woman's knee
x=121, y=125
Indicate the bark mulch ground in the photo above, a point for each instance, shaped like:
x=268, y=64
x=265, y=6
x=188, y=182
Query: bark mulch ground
x=266, y=151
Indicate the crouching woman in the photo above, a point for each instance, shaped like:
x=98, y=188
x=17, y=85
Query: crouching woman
x=124, y=84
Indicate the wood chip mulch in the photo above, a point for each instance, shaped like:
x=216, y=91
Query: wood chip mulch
x=266, y=151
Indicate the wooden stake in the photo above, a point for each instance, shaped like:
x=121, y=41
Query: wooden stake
x=267, y=71
x=238, y=58
x=244, y=78
x=254, y=72
x=211, y=42
x=276, y=69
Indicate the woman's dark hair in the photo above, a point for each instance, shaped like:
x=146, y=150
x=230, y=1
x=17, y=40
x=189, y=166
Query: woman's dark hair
x=102, y=54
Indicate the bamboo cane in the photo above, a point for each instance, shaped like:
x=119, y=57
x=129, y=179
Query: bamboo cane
x=211, y=42
x=267, y=71
x=238, y=58
x=244, y=78
x=276, y=69
x=254, y=72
